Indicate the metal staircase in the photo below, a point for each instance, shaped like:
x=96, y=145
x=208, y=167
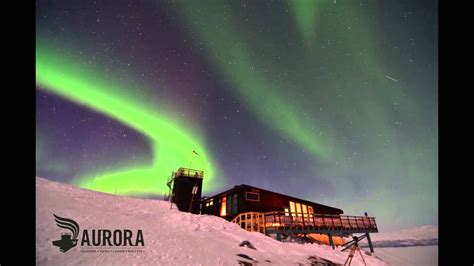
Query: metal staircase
x=169, y=184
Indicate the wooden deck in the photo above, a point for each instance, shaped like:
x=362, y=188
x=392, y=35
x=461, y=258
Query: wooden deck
x=292, y=223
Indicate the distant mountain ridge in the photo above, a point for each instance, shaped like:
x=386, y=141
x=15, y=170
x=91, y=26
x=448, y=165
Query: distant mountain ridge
x=418, y=236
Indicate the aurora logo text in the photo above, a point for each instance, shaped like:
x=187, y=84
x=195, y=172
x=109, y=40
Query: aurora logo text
x=99, y=238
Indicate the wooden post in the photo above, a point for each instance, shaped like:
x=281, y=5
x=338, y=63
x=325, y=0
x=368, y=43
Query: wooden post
x=370, y=243
x=331, y=241
x=278, y=236
x=251, y=222
x=368, y=238
x=291, y=221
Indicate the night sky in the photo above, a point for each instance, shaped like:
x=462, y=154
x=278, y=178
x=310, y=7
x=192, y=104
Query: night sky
x=331, y=101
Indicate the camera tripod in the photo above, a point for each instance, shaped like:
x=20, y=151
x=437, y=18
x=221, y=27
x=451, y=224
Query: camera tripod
x=354, y=245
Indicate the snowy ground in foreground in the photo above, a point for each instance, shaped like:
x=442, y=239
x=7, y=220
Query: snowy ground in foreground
x=171, y=237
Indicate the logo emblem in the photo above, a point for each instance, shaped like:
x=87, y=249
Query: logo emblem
x=68, y=240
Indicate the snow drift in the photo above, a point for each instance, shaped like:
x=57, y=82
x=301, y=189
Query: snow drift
x=171, y=237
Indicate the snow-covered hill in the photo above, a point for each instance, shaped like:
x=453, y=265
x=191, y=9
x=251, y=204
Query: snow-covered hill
x=171, y=237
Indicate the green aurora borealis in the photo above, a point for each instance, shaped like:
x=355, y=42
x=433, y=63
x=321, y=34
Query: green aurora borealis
x=364, y=103
x=172, y=146
x=342, y=94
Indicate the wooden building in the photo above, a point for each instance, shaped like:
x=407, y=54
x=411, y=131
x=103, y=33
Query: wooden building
x=259, y=210
x=245, y=198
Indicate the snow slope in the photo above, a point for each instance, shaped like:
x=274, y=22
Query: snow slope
x=171, y=237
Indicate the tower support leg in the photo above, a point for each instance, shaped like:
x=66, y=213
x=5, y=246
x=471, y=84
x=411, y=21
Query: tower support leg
x=331, y=242
x=370, y=243
x=278, y=236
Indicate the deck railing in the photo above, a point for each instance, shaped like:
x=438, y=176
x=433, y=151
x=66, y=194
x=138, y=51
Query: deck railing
x=261, y=222
x=251, y=221
x=189, y=172
x=282, y=220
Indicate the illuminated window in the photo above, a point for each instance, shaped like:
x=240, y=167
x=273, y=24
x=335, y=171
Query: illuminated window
x=305, y=210
x=223, y=206
x=287, y=212
x=212, y=202
x=298, y=209
x=292, y=208
x=252, y=196
x=207, y=204
x=310, y=211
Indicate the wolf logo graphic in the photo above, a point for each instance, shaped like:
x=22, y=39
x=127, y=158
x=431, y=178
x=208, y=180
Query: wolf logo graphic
x=67, y=240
